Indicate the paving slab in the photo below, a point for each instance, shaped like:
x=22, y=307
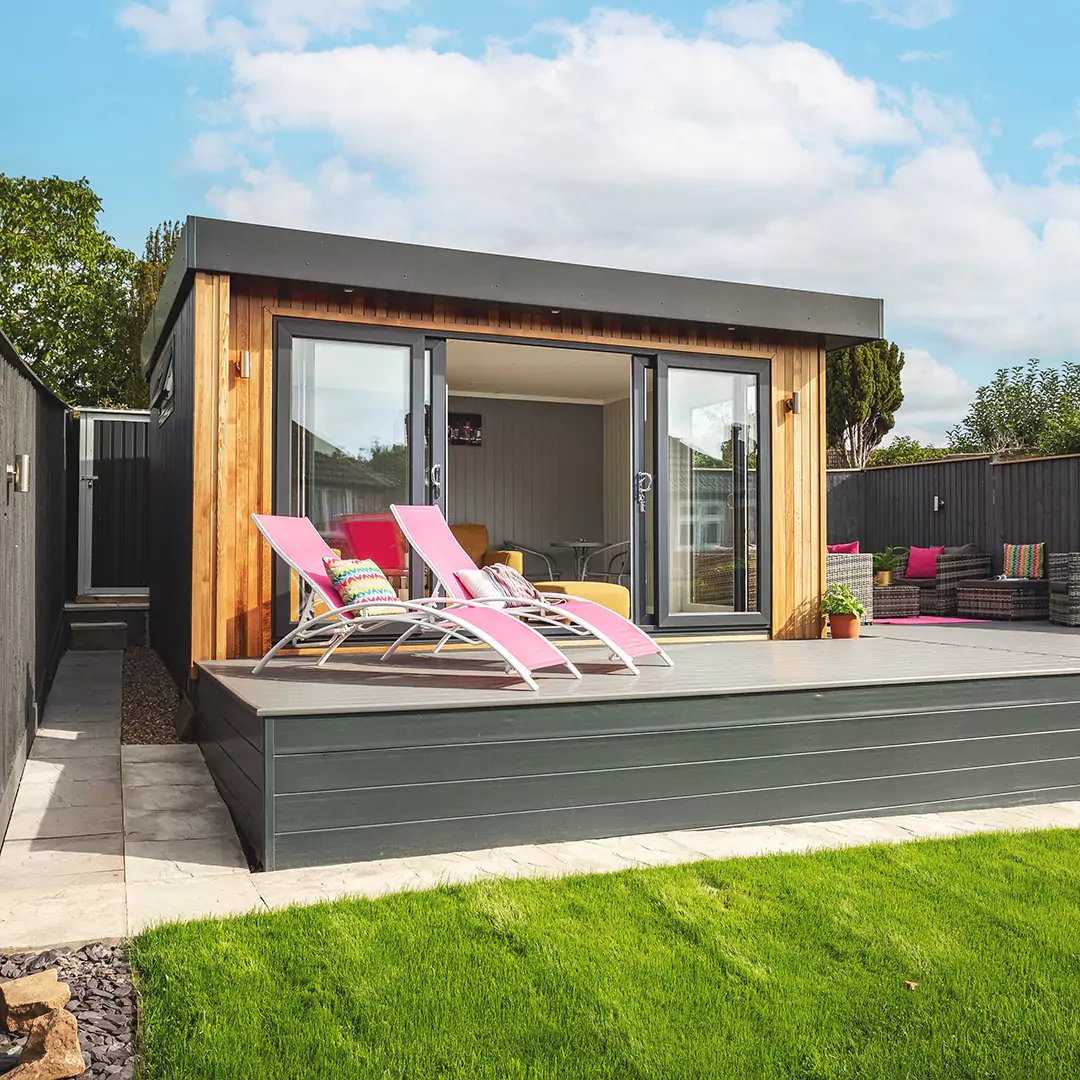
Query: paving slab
x=159, y=774
x=81, y=712
x=90, y=729
x=176, y=752
x=54, y=745
x=63, y=793
x=40, y=770
x=177, y=860
x=192, y=824
x=42, y=917
x=171, y=797
x=68, y=860
x=46, y=822
x=152, y=903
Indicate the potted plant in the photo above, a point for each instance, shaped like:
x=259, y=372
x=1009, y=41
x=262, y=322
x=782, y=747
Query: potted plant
x=844, y=609
x=883, y=567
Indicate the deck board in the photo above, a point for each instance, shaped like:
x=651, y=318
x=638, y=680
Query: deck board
x=888, y=655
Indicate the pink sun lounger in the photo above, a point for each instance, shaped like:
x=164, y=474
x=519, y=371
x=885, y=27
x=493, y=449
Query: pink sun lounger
x=298, y=543
x=427, y=531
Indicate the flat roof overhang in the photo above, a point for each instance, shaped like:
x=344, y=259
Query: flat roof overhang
x=232, y=247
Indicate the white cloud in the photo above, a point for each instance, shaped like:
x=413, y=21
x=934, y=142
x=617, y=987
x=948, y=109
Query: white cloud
x=426, y=36
x=760, y=161
x=749, y=20
x=936, y=397
x=912, y=14
x=920, y=56
x=191, y=26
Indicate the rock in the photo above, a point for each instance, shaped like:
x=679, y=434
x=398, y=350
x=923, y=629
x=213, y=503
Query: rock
x=52, y=1049
x=21, y=1000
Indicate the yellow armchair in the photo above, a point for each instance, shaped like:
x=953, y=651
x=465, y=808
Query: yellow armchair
x=474, y=539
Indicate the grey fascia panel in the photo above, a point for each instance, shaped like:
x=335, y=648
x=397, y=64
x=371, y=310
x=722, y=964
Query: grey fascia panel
x=232, y=247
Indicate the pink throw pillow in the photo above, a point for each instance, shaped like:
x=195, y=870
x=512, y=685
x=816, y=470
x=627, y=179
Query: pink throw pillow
x=843, y=549
x=922, y=562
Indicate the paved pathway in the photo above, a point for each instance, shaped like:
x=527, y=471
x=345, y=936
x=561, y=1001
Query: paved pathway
x=106, y=840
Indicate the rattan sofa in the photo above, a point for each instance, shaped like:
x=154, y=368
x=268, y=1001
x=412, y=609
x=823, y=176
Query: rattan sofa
x=854, y=570
x=937, y=595
x=1063, y=571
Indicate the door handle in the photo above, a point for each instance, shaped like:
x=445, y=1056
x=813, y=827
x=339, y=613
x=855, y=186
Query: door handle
x=644, y=485
x=89, y=479
x=435, y=474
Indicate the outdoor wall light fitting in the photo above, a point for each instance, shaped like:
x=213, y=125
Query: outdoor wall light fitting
x=939, y=502
x=18, y=475
x=793, y=404
x=244, y=365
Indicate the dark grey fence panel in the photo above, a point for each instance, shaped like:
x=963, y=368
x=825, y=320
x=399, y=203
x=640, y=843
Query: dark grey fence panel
x=33, y=529
x=122, y=466
x=979, y=502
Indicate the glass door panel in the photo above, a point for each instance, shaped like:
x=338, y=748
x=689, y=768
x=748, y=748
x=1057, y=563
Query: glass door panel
x=349, y=443
x=711, y=561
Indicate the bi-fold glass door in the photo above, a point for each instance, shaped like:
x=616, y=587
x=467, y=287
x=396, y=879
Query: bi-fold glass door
x=701, y=492
x=359, y=424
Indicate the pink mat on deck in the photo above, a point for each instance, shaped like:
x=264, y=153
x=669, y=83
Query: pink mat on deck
x=926, y=620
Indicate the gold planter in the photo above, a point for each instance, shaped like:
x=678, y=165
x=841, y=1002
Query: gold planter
x=882, y=578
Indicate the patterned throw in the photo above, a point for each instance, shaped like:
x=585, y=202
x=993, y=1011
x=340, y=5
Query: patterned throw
x=511, y=583
x=1024, y=560
x=357, y=580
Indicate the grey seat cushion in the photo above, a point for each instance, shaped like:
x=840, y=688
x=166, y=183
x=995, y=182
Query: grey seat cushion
x=963, y=549
x=1036, y=584
x=918, y=582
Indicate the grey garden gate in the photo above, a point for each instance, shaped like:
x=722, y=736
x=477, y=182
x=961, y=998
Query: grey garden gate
x=113, y=481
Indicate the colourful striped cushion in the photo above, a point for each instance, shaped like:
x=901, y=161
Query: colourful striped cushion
x=357, y=580
x=1024, y=560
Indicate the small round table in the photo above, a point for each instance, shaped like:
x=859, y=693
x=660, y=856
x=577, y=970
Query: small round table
x=896, y=601
x=581, y=550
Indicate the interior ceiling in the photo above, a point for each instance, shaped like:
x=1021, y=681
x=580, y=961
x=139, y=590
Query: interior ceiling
x=490, y=368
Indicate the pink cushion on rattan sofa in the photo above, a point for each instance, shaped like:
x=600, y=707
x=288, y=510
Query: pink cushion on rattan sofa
x=843, y=549
x=922, y=562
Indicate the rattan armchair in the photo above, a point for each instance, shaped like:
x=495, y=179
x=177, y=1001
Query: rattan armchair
x=1064, y=573
x=856, y=571
x=940, y=598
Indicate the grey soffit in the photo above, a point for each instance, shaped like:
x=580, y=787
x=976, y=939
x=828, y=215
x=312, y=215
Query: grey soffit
x=326, y=259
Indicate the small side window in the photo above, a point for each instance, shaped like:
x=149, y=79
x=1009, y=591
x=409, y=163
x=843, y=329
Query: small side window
x=162, y=402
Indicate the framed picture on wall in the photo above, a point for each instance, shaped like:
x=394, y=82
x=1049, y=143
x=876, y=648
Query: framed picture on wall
x=464, y=429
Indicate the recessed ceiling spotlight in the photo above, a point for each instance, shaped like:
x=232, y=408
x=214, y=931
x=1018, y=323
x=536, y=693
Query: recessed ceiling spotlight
x=556, y=311
x=348, y=289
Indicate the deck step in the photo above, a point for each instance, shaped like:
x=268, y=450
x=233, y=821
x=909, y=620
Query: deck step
x=131, y=612
x=87, y=636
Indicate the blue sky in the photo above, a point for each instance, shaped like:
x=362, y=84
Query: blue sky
x=919, y=150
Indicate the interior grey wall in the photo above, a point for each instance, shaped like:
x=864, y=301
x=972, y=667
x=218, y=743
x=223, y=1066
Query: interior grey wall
x=537, y=478
x=617, y=470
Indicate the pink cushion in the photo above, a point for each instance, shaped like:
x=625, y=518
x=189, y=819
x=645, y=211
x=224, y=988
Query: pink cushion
x=922, y=562
x=843, y=549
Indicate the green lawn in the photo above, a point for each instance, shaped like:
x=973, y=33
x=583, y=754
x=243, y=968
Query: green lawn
x=788, y=966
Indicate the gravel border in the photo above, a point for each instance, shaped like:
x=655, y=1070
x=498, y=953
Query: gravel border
x=149, y=701
x=103, y=1000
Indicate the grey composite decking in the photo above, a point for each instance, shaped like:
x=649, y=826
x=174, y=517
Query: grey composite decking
x=360, y=760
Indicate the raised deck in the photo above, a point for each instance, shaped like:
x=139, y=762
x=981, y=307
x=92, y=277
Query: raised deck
x=365, y=760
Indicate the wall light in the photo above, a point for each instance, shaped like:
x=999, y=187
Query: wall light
x=244, y=366
x=18, y=475
x=793, y=404
x=939, y=502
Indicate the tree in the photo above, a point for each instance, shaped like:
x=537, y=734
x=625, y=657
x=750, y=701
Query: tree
x=1027, y=409
x=64, y=286
x=146, y=277
x=862, y=392
x=72, y=301
x=904, y=450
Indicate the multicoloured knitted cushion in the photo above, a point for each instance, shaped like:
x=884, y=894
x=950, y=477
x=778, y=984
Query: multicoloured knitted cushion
x=357, y=580
x=511, y=583
x=1025, y=560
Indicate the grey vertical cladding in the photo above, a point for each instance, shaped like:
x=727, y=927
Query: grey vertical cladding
x=169, y=520
x=33, y=579
x=980, y=501
x=379, y=785
x=536, y=478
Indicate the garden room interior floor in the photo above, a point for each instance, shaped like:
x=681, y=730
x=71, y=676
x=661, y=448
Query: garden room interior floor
x=105, y=840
